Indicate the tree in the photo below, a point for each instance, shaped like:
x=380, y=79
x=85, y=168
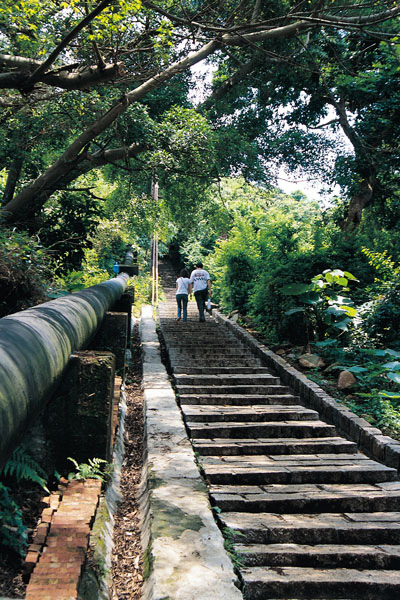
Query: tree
x=157, y=45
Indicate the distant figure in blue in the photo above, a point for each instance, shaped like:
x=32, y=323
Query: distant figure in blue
x=182, y=291
x=200, y=282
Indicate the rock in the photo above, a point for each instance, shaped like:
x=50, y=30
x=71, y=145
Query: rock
x=234, y=315
x=280, y=351
x=310, y=361
x=346, y=380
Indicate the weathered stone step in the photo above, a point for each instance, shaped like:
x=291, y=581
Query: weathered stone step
x=262, y=583
x=232, y=389
x=229, y=380
x=195, y=352
x=330, y=468
x=234, y=400
x=307, y=498
x=226, y=447
x=250, y=414
x=324, y=528
x=323, y=556
x=185, y=370
x=293, y=429
x=216, y=361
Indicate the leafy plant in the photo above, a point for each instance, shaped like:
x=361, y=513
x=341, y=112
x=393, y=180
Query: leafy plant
x=229, y=545
x=22, y=466
x=90, y=470
x=327, y=312
x=13, y=532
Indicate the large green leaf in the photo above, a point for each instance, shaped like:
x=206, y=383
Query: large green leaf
x=335, y=310
x=296, y=289
x=311, y=298
x=392, y=352
x=293, y=311
x=393, y=366
x=342, y=324
x=350, y=276
x=353, y=369
x=349, y=310
x=393, y=395
x=394, y=377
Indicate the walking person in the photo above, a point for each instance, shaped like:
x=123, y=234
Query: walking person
x=182, y=292
x=200, y=283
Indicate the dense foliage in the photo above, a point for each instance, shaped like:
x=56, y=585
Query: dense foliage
x=274, y=258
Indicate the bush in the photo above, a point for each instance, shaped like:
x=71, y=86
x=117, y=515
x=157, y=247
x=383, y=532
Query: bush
x=24, y=271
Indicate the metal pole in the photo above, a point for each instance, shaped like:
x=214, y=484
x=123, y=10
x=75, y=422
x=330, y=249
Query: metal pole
x=154, y=288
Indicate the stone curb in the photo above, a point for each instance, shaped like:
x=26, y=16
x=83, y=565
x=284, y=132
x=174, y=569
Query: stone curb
x=184, y=555
x=369, y=439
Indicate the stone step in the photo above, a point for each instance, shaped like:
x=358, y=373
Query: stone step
x=229, y=380
x=250, y=414
x=232, y=389
x=234, y=400
x=185, y=370
x=307, y=498
x=323, y=556
x=311, y=529
x=226, y=447
x=300, y=469
x=219, y=362
x=262, y=583
x=195, y=352
x=292, y=429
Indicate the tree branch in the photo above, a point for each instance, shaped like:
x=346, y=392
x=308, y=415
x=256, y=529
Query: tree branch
x=37, y=74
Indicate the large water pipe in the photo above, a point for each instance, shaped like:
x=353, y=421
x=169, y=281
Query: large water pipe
x=35, y=346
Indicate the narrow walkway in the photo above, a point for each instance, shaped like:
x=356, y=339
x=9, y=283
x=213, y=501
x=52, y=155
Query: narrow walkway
x=309, y=516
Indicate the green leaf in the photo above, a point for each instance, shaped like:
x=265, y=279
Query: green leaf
x=349, y=310
x=394, y=377
x=296, y=289
x=393, y=395
x=392, y=352
x=293, y=311
x=353, y=369
x=350, y=276
x=393, y=366
x=342, y=324
x=334, y=310
x=311, y=298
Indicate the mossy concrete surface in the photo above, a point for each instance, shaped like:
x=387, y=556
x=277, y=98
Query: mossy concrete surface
x=184, y=548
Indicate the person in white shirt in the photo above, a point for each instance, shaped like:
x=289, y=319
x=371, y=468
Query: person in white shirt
x=182, y=292
x=200, y=283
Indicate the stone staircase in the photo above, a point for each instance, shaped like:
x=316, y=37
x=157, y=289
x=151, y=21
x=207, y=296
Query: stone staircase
x=308, y=516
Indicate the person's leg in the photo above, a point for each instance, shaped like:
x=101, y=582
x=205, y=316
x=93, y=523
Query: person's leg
x=200, y=304
x=179, y=302
x=205, y=296
x=184, y=305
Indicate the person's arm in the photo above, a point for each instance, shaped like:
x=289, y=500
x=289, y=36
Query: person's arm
x=209, y=286
x=190, y=288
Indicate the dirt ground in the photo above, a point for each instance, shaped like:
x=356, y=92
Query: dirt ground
x=127, y=572
x=127, y=566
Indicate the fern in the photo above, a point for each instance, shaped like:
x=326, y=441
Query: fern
x=90, y=470
x=13, y=533
x=22, y=466
x=382, y=263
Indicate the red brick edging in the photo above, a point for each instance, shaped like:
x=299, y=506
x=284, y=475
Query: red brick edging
x=57, y=554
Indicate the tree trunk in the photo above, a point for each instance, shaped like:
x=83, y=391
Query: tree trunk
x=12, y=179
x=358, y=202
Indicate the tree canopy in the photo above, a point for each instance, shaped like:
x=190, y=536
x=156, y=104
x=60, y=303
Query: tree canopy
x=87, y=85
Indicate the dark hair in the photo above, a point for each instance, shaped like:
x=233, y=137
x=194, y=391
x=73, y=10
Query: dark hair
x=199, y=265
x=183, y=273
